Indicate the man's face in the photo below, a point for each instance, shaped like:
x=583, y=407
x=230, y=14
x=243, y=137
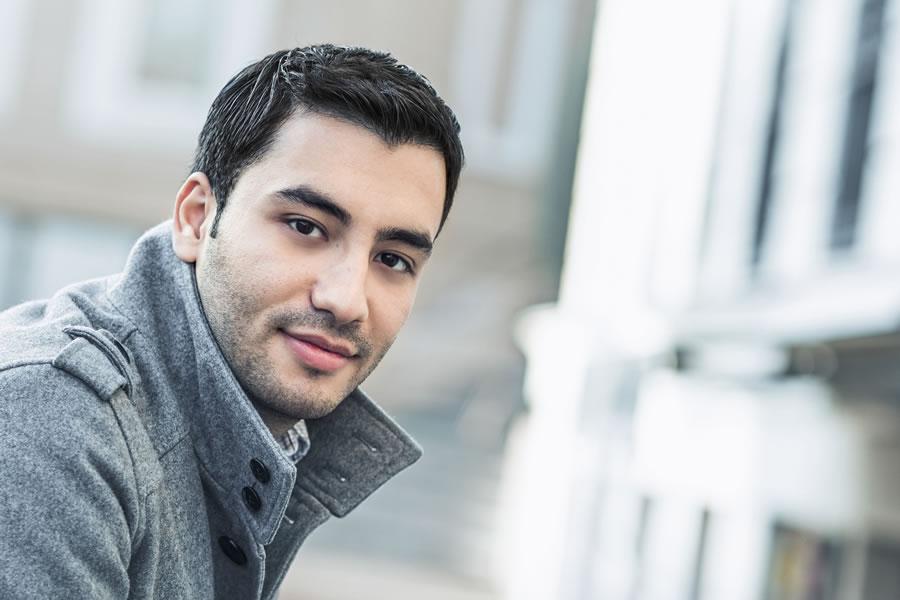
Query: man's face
x=316, y=262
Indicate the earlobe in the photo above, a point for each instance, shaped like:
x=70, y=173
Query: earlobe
x=195, y=210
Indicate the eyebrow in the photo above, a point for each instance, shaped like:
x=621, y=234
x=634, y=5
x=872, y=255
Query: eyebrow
x=308, y=196
x=313, y=198
x=417, y=239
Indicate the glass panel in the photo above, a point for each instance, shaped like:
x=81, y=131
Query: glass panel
x=177, y=40
x=63, y=251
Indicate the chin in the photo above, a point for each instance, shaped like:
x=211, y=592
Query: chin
x=313, y=412
x=304, y=409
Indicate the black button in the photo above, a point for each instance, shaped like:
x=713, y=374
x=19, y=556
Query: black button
x=232, y=550
x=259, y=470
x=251, y=498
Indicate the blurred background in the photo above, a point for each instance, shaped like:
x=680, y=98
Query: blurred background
x=656, y=352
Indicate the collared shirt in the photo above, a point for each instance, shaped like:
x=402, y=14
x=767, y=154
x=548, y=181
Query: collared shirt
x=295, y=442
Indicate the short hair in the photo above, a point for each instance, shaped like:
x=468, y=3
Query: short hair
x=363, y=87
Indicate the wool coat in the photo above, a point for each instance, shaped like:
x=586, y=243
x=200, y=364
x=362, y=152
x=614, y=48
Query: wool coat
x=133, y=464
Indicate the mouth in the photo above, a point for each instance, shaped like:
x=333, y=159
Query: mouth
x=318, y=352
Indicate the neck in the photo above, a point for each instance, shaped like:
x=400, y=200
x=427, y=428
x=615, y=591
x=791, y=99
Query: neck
x=277, y=423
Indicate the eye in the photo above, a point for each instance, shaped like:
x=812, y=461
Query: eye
x=307, y=228
x=394, y=262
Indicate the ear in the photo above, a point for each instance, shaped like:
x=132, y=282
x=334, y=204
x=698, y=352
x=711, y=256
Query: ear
x=195, y=211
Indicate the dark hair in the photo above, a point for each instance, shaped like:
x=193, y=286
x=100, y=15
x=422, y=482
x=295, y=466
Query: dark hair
x=364, y=87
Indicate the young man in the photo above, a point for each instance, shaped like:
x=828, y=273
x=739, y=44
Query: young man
x=178, y=430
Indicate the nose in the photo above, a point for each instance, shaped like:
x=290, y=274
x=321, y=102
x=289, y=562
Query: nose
x=341, y=290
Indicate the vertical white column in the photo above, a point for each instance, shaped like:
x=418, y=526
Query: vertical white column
x=690, y=97
x=516, y=146
x=811, y=140
x=645, y=146
x=14, y=24
x=737, y=166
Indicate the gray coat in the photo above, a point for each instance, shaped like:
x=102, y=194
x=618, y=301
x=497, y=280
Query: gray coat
x=134, y=466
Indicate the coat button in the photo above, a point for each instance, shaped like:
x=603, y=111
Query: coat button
x=259, y=470
x=251, y=498
x=232, y=550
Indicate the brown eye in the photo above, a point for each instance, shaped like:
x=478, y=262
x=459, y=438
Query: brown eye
x=307, y=228
x=394, y=262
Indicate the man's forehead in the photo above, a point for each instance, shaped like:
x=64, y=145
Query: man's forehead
x=310, y=125
x=355, y=169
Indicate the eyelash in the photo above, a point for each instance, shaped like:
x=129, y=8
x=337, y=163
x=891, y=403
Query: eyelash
x=406, y=263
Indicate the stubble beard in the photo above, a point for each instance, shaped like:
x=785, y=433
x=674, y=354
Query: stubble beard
x=230, y=310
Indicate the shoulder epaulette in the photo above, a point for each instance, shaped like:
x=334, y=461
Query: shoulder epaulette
x=99, y=360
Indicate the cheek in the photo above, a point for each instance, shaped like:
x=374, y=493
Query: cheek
x=231, y=287
x=389, y=313
x=269, y=276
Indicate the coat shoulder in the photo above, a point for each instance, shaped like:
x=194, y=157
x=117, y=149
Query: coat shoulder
x=70, y=508
x=43, y=407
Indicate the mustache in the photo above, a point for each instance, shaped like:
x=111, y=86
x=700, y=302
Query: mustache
x=322, y=322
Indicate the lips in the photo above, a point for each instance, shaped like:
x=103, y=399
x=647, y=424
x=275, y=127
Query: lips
x=318, y=352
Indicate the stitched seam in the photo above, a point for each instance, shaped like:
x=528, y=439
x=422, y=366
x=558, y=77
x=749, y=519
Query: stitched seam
x=295, y=548
x=313, y=488
x=209, y=474
x=27, y=363
x=380, y=418
x=128, y=444
x=174, y=445
x=134, y=332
